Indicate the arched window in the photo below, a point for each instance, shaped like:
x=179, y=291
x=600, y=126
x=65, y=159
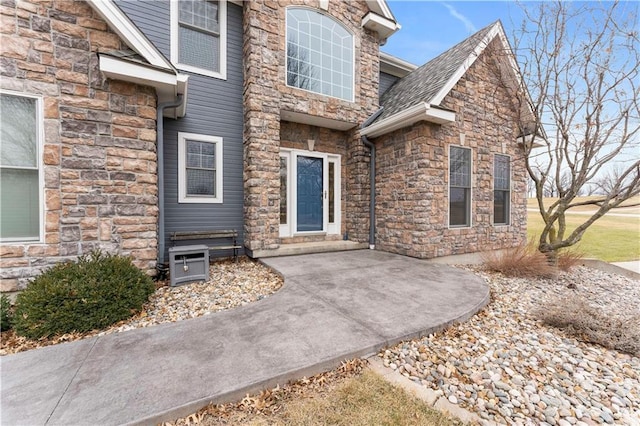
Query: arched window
x=319, y=54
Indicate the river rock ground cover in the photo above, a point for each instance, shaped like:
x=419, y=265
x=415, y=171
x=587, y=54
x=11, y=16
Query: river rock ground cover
x=231, y=284
x=508, y=367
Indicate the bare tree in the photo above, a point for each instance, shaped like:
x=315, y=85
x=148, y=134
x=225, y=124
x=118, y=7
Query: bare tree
x=580, y=64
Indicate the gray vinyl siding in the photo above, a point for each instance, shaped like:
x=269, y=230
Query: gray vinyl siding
x=214, y=108
x=386, y=81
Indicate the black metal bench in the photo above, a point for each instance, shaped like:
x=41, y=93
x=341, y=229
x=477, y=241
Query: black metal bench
x=231, y=237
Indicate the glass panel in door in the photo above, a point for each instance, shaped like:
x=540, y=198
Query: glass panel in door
x=309, y=189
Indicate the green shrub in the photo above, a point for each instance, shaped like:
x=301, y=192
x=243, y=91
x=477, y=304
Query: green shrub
x=5, y=313
x=92, y=293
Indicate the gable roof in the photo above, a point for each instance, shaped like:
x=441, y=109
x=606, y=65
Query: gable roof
x=145, y=64
x=122, y=25
x=417, y=96
x=426, y=83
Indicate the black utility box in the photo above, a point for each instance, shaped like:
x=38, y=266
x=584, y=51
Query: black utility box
x=188, y=264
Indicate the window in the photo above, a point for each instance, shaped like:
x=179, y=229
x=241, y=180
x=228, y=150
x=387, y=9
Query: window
x=459, y=186
x=20, y=170
x=501, y=189
x=199, y=36
x=199, y=168
x=319, y=54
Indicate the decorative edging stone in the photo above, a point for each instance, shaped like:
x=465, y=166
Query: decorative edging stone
x=435, y=399
x=610, y=267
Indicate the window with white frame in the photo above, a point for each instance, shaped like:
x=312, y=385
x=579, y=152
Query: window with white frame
x=199, y=168
x=199, y=36
x=20, y=168
x=501, y=189
x=319, y=54
x=459, y=186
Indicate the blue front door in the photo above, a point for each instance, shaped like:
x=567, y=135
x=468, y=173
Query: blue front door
x=309, y=204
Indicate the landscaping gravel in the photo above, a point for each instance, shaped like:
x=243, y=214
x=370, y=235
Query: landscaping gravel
x=508, y=367
x=231, y=284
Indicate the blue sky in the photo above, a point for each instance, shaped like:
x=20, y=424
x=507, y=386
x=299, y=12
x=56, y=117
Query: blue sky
x=431, y=27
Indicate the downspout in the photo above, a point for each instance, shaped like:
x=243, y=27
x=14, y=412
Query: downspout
x=162, y=270
x=372, y=174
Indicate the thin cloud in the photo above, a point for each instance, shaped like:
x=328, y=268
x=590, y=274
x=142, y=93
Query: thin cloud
x=459, y=16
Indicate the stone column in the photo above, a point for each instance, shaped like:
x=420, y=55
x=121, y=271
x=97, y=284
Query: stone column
x=261, y=125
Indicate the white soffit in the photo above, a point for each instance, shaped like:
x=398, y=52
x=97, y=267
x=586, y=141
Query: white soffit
x=167, y=84
x=381, y=7
x=383, y=26
x=420, y=112
x=314, y=120
x=390, y=64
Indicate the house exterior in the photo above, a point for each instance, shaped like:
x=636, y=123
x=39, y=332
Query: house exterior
x=124, y=121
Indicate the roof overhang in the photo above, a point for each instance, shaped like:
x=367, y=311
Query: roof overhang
x=122, y=25
x=390, y=64
x=158, y=73
x=314, y=120
x=167, y=83
x=381, y=8
x=379, y=24
x=420, y=112
x=529, y=141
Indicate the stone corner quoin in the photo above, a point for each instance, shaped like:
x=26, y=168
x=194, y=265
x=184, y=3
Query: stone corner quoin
x=99, y=150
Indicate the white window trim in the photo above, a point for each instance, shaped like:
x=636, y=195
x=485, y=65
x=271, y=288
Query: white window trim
x=285, y=229
x=353, y=49
x=175, y=43
x=471, y=178
x=510, y=190
x=40, y=168
x=182, y=169
x=336, y=226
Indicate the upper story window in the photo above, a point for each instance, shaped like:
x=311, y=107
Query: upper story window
x=319, y=54
x=199, y=36
x=20, y=169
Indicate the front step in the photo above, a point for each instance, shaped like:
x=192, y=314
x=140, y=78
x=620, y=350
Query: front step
x=307, y=248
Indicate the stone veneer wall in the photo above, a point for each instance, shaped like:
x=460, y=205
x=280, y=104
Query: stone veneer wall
x=99, y=149
x=413, y=173
x=266, y=94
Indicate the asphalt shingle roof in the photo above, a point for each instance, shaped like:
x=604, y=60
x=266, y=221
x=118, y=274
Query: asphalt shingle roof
x=424, y=83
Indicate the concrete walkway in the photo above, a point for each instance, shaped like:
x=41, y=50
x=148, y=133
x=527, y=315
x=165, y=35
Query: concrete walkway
x=333, y=306
x=633, y=265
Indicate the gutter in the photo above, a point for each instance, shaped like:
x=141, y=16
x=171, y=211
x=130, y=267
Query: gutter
x=419, y=112
x=372, y=177
x=160, y=266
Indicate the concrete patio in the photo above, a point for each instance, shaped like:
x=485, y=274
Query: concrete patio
x=333, y=306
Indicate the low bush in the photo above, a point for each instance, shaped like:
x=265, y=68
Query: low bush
x=92, y=293
x=589, y=324
x=5, y=313
x=523, y=260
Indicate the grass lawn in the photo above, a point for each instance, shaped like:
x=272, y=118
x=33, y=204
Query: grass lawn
x=627, y=206
x=610, y=238
x=361, y=401
x=364, y=400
